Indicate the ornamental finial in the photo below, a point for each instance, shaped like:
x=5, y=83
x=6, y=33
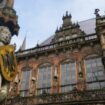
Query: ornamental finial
x=97, y=12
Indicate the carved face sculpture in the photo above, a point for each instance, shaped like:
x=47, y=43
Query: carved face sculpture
x=5, y=35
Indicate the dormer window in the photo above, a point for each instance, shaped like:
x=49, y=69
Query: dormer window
x=68, y=30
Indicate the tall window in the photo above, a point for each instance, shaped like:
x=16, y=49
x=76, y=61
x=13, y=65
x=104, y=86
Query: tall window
x=25, y=79
x=95, y=75
x=68, y=77
x=44, y=79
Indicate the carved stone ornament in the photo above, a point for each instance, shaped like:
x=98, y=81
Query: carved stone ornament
x=103, y=41
x=6, y=3
x=8, y=66
x=5, y=35
x=3, y=3
x=10, y=3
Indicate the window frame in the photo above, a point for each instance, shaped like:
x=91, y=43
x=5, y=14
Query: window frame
x=25, y=69
x=44, y=88
x=92, y=57
x=73, y=85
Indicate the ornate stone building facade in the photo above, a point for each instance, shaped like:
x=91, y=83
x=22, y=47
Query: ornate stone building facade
x=68, y=68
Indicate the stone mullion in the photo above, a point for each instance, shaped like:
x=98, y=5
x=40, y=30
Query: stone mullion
x=55, y=77
x=81, y=83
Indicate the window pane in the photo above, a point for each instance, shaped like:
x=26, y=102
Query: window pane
x=95, y=85
x=68, y=76
x=44, y=78
x=24, y=93
x=94, y=72
x=25, y=79
x=43, y=91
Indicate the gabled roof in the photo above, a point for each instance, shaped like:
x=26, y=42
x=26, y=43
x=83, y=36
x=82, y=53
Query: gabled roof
x=88, y=26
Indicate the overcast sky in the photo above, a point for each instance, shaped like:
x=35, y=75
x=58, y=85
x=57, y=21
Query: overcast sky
x=38, y=19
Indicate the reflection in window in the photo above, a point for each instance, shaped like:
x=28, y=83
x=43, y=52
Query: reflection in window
x=68, y=77
x=44, y=79
x=94, y=73
x=24, y=89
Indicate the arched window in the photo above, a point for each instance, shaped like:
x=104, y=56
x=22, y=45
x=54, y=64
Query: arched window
x=68, y=76
x=25, y=81
x=44, y=79
x=95, y=75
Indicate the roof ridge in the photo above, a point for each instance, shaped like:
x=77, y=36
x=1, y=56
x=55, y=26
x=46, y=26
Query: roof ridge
x=86, y=20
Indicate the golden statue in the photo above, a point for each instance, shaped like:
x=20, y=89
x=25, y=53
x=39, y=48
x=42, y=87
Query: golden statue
x=8, y=65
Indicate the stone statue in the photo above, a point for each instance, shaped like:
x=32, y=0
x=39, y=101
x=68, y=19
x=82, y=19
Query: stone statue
x=10, y=3
x=8, y=65
x=6, y=3
x=5, y=37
